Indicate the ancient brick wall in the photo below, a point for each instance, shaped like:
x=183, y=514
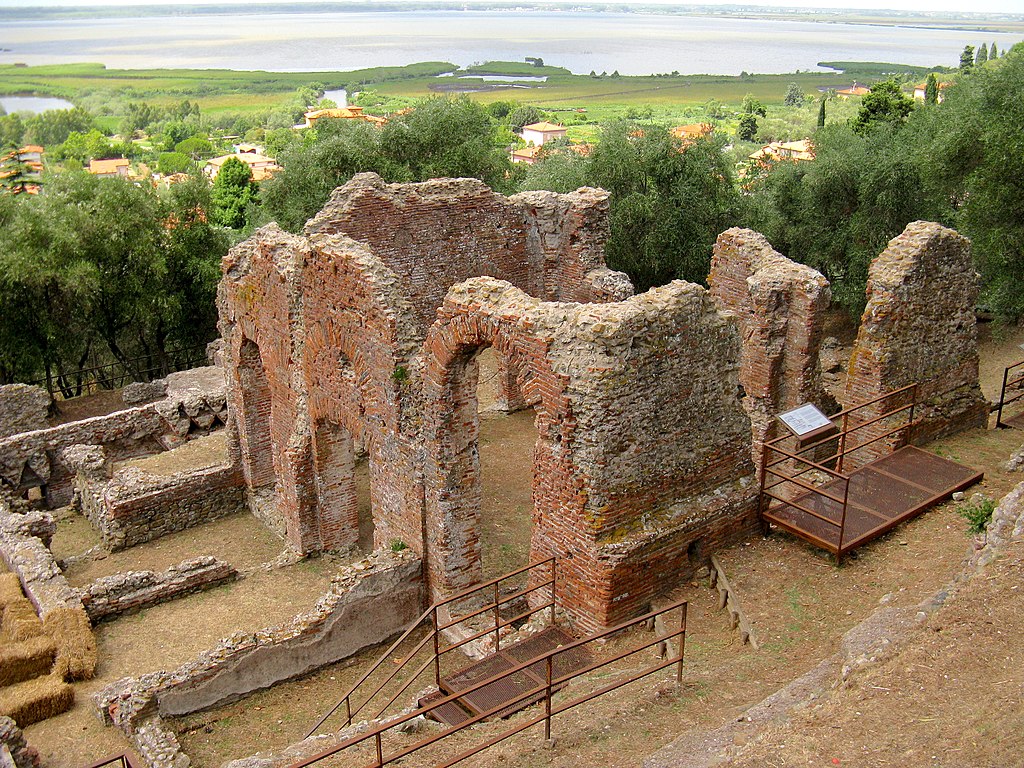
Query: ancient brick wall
x=23, y=408
x=919, y=326
x=369, y=603
x=128, y=592
x=643, y=449
x=351, y=338
x=134, y=506
x=194, y=405
x=780, y=307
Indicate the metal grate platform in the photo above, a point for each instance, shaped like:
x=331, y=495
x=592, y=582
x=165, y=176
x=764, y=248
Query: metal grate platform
x=510, y=687
x=881, y=495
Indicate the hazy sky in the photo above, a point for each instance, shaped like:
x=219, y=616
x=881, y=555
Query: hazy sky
x=977, y=6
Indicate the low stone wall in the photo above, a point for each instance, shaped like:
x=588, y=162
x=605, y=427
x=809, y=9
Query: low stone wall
x=111, y=596
x=22, y=408
x=135, y=506
x=369, y=602
x=14, y=746
x=195, y=404
x=57, y=604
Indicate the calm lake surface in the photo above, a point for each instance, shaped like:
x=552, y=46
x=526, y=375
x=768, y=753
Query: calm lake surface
x=633, y=44
x=33, y=104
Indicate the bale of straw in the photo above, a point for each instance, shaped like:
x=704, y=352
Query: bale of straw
x=76, y=645
x=36, y=699
x=18, y=621
x=26, y=659
x=10, y=589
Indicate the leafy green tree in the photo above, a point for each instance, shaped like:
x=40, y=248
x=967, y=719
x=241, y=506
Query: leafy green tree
x=12, y=130
x=967, y=59
x=931, y=89
x=139, y=117
x=54, y=126
x=885, y=104
x=196, y=147
x=993, y=52
x=668, y=201
x=500, y=109
x=233, y=191
x=525, y=115
x=172, y=162
x=752, y=106
x=794, y=96
x=714, y=109
x=747, y=129
x=442, y=136
x=84, y=147
x=982, y=56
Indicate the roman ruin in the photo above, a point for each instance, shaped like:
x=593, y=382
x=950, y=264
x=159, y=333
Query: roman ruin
x=360, y=339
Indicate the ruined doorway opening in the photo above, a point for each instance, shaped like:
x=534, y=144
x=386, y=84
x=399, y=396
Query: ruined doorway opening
x=343, y=490
x=506, y=439
x=254, y=426
x=343, y=468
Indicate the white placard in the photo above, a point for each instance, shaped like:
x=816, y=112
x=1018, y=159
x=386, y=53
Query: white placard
x=805, y=419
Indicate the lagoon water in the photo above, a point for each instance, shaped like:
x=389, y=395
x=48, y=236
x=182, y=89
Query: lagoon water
x=33, y=104
x=631, y=43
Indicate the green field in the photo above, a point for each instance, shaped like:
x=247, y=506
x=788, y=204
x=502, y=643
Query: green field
x=238, y=91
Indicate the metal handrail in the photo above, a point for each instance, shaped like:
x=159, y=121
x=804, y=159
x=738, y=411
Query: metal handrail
x=768, y=465
x=432, y=615
x=547, y=688
x=1009, y=384
x=123, y=760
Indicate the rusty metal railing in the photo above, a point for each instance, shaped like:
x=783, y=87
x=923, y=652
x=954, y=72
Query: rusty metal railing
x=436, y=620
x=1013, y=383
x=122, y=760
x=384, y=754
x=782, y=468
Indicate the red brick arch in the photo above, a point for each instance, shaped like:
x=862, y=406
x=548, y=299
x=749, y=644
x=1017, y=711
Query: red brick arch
x=451, y=436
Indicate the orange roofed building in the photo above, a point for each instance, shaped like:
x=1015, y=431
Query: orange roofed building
x=262, y=167
x=854, y=90
x=692, y=132
x=539, y=134
x=784, y=150
x=109, y=169
x=340, y=113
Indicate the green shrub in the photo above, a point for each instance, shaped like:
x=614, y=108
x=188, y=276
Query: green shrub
x=978, y=514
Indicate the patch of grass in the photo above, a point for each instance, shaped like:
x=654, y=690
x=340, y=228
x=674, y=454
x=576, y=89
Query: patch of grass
x=978, y=513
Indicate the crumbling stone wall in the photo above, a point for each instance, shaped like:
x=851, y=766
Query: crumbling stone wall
x=919, y=326
x=195, y=404
x=351, y=338
x=370, y=602
x=780, y=307
x=642, y=458
x=436, y=234
x=130, y=591
x=134, y=506
x=22, y=408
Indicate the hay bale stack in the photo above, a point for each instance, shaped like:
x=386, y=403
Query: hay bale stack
x=76, y=645
x=10, y=589
x=35, y=700
x=18, y=621
x=24, y=659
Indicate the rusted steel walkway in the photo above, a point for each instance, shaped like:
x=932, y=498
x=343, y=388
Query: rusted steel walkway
x=512, y=687
x=881, y=495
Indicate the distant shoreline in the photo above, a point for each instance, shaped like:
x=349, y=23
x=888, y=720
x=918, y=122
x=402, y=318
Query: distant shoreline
x=967, y=22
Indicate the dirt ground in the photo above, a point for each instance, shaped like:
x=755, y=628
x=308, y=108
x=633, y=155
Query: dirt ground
x=800, y=604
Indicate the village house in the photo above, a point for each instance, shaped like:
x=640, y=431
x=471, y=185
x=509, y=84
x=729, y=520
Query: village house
x=109, y=169
x=26, y=162
x=690, y=133
x=262, y=167
x=539, y=134
x=528, y=155
x=784, y=150
x=921, y=89
x=340, y=113
x=854, y=90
